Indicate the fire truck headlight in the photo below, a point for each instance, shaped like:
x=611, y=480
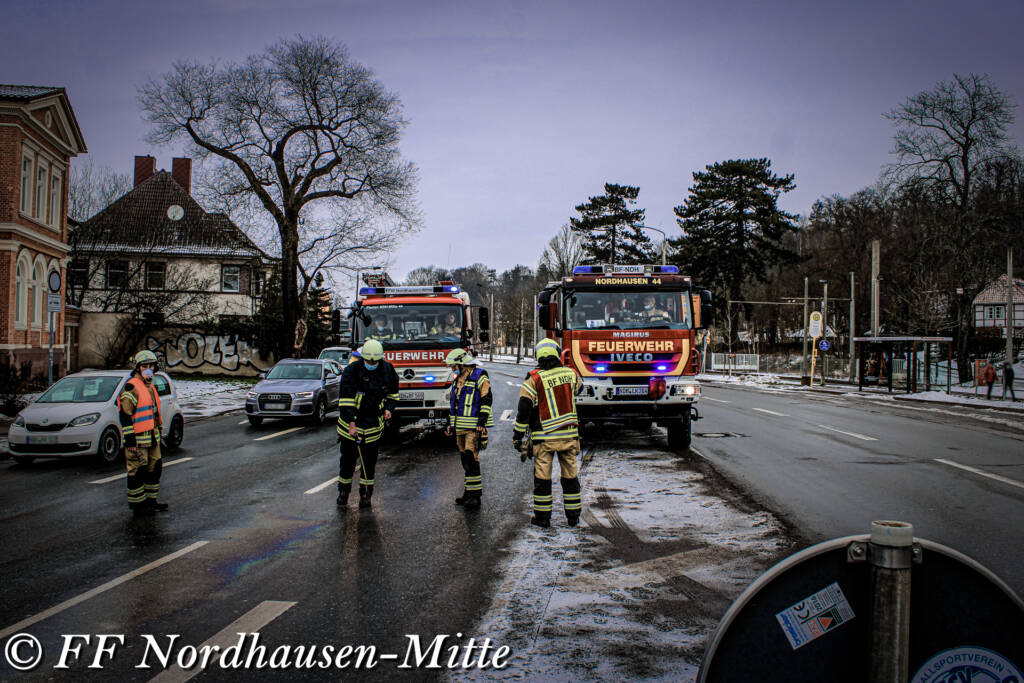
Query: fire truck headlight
x=690, y=390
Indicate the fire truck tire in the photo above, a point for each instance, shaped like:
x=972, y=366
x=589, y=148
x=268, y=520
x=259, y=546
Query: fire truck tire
x=679, y=434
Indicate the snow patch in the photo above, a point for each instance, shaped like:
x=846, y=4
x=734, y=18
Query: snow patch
x=206, y=397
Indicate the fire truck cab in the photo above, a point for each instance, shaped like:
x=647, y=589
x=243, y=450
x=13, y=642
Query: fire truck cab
x=631, y=332
x=418, y=326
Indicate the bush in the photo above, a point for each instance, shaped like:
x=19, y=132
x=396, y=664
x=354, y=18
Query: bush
x=14, y=384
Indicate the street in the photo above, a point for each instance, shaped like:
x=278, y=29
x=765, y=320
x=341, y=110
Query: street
x=253, y=540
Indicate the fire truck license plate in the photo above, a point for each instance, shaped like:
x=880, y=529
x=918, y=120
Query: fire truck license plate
x=410, y=395
x=630, y=391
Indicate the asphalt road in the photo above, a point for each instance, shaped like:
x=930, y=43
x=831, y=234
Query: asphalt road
x=253, y=540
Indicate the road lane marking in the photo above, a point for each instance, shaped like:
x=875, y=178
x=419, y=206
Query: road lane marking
x=250, y=622
x=997, y=477
x=276, y=434
x=244, y=422
x=167, y=463
x=506, y=416
x=770, y=412
x=321, y=487
x=716, y=400
x=853, y=434
x=56, y=609
x=511, y=384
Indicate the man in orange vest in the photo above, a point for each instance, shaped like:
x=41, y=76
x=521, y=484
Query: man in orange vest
x=139, y=411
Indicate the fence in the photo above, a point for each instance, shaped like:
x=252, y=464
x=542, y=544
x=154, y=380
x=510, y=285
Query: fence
x=734, y=362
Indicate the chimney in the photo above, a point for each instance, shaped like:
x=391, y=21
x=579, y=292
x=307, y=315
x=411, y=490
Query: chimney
x=145, y=167
x=181, y=170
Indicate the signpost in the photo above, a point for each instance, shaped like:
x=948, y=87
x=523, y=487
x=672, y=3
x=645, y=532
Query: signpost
x=814, y=328
x=824, y=345
x=53, y=305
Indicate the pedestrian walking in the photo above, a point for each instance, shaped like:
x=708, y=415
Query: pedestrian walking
x=368, y=394
x=988, y=376
x=547, y=409
x=139, y=413
x=1008, y=375
x=468, y=419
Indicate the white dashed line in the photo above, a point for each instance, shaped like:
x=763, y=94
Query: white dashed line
x=167, y=463
x=716, y=400
x=997, y=477
x=853, y=434
x=506, y=416
x=276, y=434
x=244, y=422
x=320, y=487
x=511, y=384
x=56, y=609
x=770, y=412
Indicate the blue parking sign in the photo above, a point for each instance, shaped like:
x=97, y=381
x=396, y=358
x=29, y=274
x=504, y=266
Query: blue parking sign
x=824, y=345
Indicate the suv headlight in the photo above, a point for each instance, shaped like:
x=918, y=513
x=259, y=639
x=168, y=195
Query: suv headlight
x=84, y=420
x=303, y=394
x=19, y=421
x=252, y=394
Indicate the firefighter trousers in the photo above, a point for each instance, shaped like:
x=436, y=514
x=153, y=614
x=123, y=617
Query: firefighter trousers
x=144, y=467
x=544, y=453
x=468, y=444
x=353, y=452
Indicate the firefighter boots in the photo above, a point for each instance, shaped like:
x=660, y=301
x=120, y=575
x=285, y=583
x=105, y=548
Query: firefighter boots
x=365, y=493
x=541, y=519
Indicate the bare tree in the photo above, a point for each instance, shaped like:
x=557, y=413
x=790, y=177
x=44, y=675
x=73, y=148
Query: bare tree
x=563, y=252
x=92, y=188
x=298, y=127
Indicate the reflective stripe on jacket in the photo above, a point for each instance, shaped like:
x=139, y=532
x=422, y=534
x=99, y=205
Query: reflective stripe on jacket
x=144, y=419
x=470, y=405
x=552, y=392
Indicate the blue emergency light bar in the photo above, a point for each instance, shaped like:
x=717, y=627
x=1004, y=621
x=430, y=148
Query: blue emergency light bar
x=409, y=289
x=612, y=269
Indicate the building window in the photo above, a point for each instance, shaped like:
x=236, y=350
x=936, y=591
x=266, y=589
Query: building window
x=229, y=278
x=994, y=312
x=26, y=181
x=19, y=294
x=117, y=274
x=55, y=197
x=41, y=187
x=78, y=273
x=257, y=284
x=155, y=275
x=39, y=295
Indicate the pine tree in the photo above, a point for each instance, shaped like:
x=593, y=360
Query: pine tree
x=733, y=228
x=611, y=229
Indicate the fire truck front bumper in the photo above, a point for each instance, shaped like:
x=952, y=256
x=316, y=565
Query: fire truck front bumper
x=604, y=399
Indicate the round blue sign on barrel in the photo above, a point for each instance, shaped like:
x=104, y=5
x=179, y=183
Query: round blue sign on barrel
x=824, y=345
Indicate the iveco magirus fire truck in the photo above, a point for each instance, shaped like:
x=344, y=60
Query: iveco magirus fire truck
x=631, y=332
x=418, y=326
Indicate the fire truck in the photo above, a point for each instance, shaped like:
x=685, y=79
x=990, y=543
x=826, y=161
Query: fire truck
x=418, y=326
x=631, y=332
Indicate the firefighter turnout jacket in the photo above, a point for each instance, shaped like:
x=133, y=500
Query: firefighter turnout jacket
x=364, y=396
x=547, y=405
x=139, y=413
x=471, y=400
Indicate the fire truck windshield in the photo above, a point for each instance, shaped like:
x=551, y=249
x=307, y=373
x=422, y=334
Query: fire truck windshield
x=628, y=310
x=397, y=323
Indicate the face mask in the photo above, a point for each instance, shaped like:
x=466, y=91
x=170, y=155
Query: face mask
x=147, y=373
x=648, y=307
x=370, y=366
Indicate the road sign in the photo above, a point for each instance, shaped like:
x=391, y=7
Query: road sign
x=54, y=281
x=815, y=324
x=53, y=303
x=824, y=345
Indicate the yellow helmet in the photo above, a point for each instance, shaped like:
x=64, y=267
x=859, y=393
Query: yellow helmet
x=144, y=356
x=372, y=351
x=548, y=348
x=458, y=357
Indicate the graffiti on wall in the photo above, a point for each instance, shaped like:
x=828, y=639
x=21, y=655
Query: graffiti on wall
x=191, y=351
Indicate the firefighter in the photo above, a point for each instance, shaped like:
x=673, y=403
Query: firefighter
x=380, y=330
x=651, y=310
x=368, y=394
x=468, y=420
x=449, y=327
x=547, y=408
x=139, y=413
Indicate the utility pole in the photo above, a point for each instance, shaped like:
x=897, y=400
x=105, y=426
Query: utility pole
x=824, y=331
x=1009, y=307
x=853, y=331
x=534, y=321
x=803, y=358
x=876, y=246
x=494, y=328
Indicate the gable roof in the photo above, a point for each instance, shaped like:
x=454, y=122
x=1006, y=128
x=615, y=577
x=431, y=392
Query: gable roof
x=137, y=222
x=995, y=293
x=25, y=93
x=30, y=98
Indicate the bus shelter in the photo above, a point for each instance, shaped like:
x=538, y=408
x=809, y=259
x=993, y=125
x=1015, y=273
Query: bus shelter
x=905, y=362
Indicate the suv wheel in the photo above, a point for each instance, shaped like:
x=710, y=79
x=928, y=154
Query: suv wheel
x=176, y=434
x=320, y=412
x=109, y=447
x=255, y=421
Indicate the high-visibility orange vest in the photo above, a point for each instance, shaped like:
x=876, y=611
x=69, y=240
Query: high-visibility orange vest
x=146, y=409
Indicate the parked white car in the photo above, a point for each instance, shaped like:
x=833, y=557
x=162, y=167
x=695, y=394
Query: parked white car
x=78, y=416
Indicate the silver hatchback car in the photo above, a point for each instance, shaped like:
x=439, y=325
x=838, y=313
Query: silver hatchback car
x=295, y=387
x=78, y=416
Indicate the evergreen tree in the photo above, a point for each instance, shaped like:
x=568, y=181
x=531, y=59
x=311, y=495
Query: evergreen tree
x=610, y=228
x=733, y=229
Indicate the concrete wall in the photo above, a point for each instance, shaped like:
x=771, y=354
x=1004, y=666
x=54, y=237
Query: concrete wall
x=183, y=351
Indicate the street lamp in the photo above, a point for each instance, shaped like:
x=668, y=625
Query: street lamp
x=664, y=239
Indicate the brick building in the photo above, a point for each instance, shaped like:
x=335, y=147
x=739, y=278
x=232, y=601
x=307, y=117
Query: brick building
x=38, y=137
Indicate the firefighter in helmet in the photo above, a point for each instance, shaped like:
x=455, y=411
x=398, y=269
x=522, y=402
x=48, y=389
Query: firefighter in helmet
x=139, y=413
x=468, y=420
x=547, y=408
x=368, y=394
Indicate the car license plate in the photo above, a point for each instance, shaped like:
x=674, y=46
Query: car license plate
x=41, y=439
x=410, y=396
x=630, y=391
x=273, y=406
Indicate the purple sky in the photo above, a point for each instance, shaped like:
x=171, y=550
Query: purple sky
x=520, y=111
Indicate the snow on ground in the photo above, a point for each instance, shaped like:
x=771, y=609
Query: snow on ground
x=206, y=397
x=635, y=591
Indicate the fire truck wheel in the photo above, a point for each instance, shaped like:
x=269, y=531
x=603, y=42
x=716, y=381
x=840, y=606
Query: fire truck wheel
x=679, y=434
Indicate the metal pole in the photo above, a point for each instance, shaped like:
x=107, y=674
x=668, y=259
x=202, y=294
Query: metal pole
x=824, y=333
x=534, y=321
x=891, y=555
x=853, y=329
x=494, y=328
x=50, y=364
x=876, y=246
x=1009, y=308
x=803, y=358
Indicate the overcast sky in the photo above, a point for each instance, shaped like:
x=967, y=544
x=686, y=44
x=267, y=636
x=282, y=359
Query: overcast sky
x=520, y=110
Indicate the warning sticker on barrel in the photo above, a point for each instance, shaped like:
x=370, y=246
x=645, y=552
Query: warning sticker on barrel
x=815, y=616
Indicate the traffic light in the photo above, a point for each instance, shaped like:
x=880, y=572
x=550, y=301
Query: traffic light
x=336, y=321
